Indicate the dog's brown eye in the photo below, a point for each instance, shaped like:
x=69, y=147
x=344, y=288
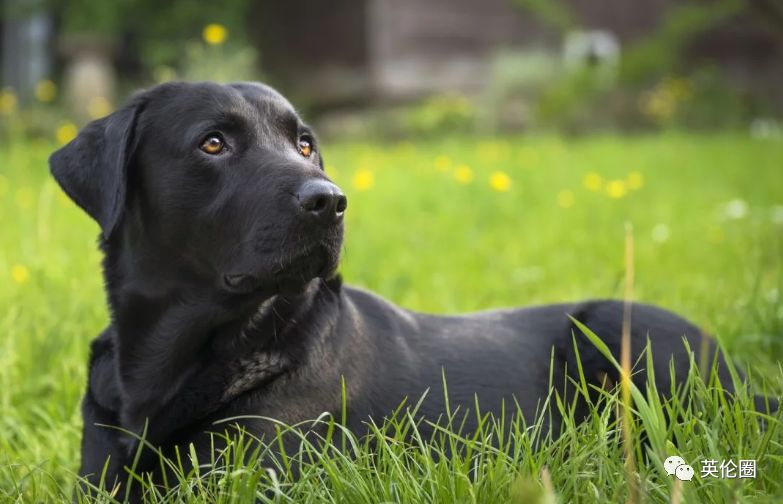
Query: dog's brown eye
x=305, y=146
x=213, y=144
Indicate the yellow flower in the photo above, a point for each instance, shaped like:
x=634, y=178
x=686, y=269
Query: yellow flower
x=20, y=274
x=661, y=103
x=46, y=91
x=25, y=198
x=463, y=174
x=442, y=163
x=363, y=179
x=635, y=180
x=214, y=34
x=7, y=101
x=593, y=181
x=99, y=107
x=565, y=198
x=616, y=189
x=500, y=181
x=66, y=132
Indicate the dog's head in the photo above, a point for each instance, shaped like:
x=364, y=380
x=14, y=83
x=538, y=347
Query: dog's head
x=218, y=184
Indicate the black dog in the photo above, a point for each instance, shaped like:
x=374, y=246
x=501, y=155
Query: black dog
x=221, y=235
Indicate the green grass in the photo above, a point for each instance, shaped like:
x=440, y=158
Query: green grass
x=708, y=244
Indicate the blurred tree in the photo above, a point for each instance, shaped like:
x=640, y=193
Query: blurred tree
x=146, y=34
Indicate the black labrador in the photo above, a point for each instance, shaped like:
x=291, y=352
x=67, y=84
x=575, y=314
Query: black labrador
x=221, y=235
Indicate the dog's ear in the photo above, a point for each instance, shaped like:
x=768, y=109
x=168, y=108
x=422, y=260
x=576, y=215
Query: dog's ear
x=92, y=168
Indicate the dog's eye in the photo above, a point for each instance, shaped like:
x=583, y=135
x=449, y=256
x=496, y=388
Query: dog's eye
x=305, y=146
x=213, y=144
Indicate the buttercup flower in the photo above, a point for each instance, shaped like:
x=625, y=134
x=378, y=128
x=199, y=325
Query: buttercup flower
x=616, y=189
x=45, y=91
x=500, y=181
x=8, y=101
x=66, y=132
x=593, y=181
x=363, y=179
x=463, y=174
x=19, y=273
x=442, y=163
x=214, y=34
x=99, y=107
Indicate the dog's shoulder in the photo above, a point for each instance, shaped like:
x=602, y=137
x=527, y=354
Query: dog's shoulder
x=102, y=383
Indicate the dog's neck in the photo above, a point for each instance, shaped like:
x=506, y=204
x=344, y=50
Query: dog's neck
x=164, y=336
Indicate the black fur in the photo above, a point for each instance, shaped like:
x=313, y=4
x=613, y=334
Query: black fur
x=186, y=348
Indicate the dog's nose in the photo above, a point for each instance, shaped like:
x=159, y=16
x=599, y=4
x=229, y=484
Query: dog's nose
x=322, y=199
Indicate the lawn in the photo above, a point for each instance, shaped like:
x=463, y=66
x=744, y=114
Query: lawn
x=455, y=225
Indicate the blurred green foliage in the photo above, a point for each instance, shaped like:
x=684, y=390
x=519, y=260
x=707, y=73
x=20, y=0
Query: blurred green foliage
x=663, y=52
x=155, y=29
x=654, y=86
x=447, y=112
x=651, y=85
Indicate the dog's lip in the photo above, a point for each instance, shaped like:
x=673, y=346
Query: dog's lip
x=318, y=263
x=240, y=282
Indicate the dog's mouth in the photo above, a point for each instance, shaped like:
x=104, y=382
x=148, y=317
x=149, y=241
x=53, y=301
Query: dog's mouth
x=291, y=275
x=240, y=283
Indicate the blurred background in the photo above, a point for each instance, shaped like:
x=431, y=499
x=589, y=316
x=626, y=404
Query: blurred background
x=396, y=68
x=492, y=150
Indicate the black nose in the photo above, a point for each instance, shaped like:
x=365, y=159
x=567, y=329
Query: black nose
x=322, y=199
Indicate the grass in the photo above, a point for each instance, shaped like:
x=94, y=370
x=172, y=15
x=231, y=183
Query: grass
x=455, y=225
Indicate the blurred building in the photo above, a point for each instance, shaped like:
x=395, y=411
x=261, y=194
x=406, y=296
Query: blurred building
x=345, y=52
x=25, y=47
x=357, y=50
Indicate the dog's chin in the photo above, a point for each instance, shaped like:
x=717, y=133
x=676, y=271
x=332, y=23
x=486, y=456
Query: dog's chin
x=296, y=276
x=289, y=280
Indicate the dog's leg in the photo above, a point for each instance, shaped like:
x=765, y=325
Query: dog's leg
x=103, y=454
x=667, y=334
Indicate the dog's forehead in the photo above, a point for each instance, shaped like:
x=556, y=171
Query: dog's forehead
x=248, y=98
x=184, y=104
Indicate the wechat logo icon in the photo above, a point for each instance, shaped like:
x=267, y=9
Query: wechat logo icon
x=676, y=466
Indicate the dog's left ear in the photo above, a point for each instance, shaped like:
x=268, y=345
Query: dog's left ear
x=92, y=168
